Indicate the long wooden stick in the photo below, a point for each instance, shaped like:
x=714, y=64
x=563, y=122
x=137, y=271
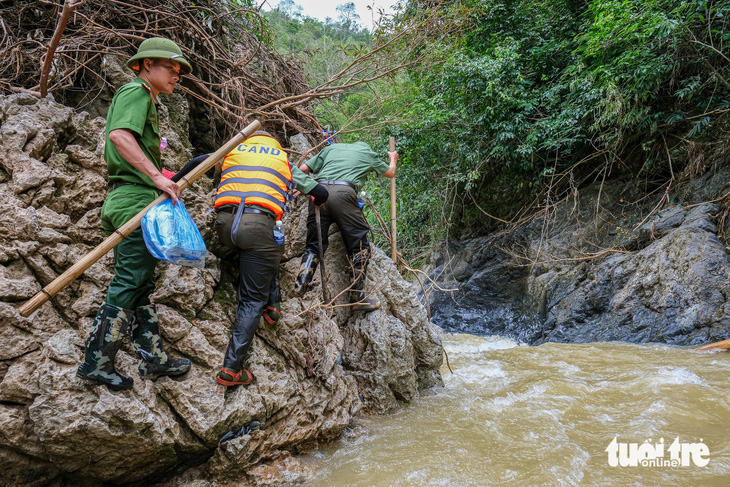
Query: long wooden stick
x=320, y=250
x=119, y=234
x=723, y=345
x=393, y=239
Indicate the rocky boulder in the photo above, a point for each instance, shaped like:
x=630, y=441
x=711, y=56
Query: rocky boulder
x=600, y=268
x=317, y=368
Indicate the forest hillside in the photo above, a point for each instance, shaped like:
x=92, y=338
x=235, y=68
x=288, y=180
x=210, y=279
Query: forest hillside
x=513, y=106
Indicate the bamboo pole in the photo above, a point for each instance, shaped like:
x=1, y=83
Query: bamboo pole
x=723, y=345
x=119, y=234
x=320, y=251
x=393, y=239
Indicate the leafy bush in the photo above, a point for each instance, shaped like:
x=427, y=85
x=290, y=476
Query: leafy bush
x=520, y=97
x=532, y=89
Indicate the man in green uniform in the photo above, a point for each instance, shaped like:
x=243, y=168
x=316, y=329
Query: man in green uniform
x=342, y=168
x=133, y=157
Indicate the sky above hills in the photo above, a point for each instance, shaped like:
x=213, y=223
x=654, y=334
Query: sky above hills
x=321, y=10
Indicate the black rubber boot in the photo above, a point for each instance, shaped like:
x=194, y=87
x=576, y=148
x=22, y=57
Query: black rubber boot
x=306, y=272
x=361, y=300
x=102, y=345
x=147, y=343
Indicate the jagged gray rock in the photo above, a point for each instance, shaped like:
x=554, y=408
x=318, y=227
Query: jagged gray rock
x=314, y=370
x=665, y=282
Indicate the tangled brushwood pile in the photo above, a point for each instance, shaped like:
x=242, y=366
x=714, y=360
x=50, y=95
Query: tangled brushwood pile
x=235, y=73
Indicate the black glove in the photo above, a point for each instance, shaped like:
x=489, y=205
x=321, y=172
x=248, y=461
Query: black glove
x=319, y=195
x=189, y=167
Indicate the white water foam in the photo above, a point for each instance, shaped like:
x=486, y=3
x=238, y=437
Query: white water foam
x=679, y=376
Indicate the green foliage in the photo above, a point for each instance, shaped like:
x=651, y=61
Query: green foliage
x=530, y=89
x=521, y=93
x=242, y=14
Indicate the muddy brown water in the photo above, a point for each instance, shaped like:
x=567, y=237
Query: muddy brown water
x=514, y=415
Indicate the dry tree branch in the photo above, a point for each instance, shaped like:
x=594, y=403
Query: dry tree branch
x=433, y=283
x=664, y=199
x=567, y=259
x=68, y=8
x=487, y=214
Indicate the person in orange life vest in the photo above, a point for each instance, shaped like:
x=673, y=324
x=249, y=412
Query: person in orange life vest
x=255, y=181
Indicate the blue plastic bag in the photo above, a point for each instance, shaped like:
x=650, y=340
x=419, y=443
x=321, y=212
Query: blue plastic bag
x=171, y=235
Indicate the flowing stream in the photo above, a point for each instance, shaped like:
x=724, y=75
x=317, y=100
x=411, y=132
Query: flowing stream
x=515, y=415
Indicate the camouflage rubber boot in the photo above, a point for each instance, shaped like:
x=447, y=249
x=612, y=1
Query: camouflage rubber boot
x=362, y=301
x=306, y=272
x=147, y=343
x=102, y=345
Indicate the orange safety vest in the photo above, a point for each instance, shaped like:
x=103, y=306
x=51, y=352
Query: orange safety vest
x=256, y=172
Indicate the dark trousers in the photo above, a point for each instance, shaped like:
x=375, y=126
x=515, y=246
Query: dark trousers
x=258, y=261
x=341, y=209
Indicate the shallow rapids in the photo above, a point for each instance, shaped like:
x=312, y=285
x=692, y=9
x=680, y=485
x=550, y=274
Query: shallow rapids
x=514, y=415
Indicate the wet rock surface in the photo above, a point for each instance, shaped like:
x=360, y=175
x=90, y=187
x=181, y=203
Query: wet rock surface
x=596, y=272
x=315, y=369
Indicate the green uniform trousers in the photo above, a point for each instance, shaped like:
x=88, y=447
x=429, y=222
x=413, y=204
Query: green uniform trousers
x=258, y=261
x=134, y=266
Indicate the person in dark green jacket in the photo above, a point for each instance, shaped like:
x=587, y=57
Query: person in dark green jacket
x=342, y=169
x=133, y=156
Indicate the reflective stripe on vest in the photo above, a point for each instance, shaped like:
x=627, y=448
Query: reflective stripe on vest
x=289, y=184
x=254, y=194
x=265, y=182
x=256, y=172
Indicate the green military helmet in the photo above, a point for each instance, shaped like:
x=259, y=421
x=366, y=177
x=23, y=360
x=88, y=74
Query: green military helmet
x=159, y=48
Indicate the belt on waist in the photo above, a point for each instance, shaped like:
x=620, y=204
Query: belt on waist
x=343, y=183
x=119, y=184
x=233, y=208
